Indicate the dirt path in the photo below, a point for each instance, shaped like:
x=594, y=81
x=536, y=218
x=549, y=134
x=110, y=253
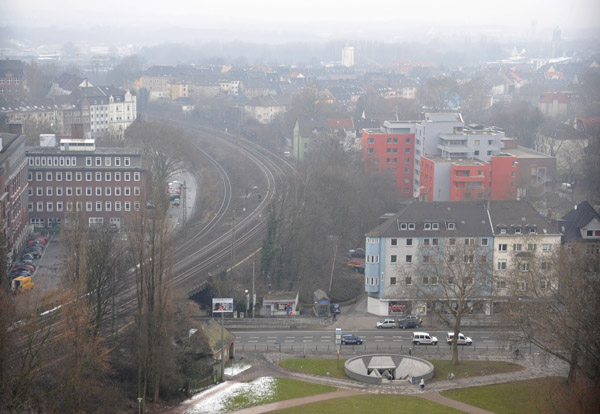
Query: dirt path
x=280, y=405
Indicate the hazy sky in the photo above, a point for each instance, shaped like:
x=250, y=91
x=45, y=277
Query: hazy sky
x=327, y=15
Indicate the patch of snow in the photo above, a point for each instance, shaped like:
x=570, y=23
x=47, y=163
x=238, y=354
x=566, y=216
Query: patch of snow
x=236, y=369
x=220, y=402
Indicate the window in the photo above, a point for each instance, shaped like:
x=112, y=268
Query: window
x=69, y=191
x=88, y=206
x=425, y=259
x=408, y=280
x=394, y=258
x=58, y=176
x=425, y=242
x=117, y=176
x=394, y=242
x=484, y=242
x=517, y=247
x=107, y=206
x=501, y=284
x=546, y=247
x=39, y=191
x=403, y=226
x=98, y=191
x=435, y=226
x=468, y=258
x=107, y=190
x=98, y=205
x=78, y=191
x=136, y=206
x=469, y=242
x=433, y=280
x=427, y=226
x=117, y=191
x=117, y=206
x=371, y=140
x=40, y=206
x=434, y=242
x=523, y=286
x=425, y=280
x=127, y=191
x=88, y=176
x=531, y=246
x=48, y=191
x=49, y=206
x=409, y=242
x=370, y=151
x=127, y=176
x=451, y=258
x=107, y=161
x=136, y=191
x=69, y=206
x=484, y=259
x=392, y=280
x=411, y=226
x=30, y=206
x=38, y=176
x=107, y=176
x=544, y=284
x=452, y=242
x=524, y=266
x=88, y=191
x=78, y=176
x=48, y=176
x=69, y=176
x=501, y=265
x=117, y=161
x=127, y=161
x=88, y=161
x=79, y=206
x=98, y=176
x=408, y=258
x=98, y=161
x=545, y=265
x=502, y=247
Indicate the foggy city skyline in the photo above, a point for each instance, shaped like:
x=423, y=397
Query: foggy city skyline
x=269, y=21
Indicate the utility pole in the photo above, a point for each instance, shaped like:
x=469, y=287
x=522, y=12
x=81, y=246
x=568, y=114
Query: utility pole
x=253, y=292
x=184, y=206
x=233, y=242
x=222, y=346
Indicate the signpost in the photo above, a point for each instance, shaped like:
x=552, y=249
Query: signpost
x=338, y=345
x=222, y=305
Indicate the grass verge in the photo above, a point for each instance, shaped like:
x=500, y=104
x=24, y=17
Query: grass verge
x=540, y=395
x=470, y=368
x=317, y=366
x=282, y=389
x=398, y=404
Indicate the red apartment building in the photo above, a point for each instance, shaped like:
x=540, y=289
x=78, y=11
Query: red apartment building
x=13, y=188
x=12, y=75
x=107, y=184
x=468, y=179
x=391, y=148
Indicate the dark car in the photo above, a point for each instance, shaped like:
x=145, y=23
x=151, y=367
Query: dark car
x=351, y=339
x=409, y=322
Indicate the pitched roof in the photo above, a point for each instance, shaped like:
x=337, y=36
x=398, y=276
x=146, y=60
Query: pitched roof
x=514, y=214
x=340, y=123
x=579, y=217
x=470, y=218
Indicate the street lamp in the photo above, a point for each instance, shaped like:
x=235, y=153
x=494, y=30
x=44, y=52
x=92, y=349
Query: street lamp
x=247, y=301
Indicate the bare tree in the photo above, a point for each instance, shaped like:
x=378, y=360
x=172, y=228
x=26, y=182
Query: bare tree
x=557, y=303
x=455, y=278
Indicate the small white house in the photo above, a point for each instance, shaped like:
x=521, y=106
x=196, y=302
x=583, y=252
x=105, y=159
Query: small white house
x=280, y=304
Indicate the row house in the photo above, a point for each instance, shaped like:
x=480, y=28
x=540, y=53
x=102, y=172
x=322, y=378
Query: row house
x=581, y=227
x=13, y=192
x=112, y=111
x=417, y=256
x=265, y=109
x=106, y=185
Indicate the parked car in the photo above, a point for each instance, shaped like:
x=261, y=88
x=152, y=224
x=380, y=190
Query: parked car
x=354, y=263
x=335, y=308
x=423, y=338
x=386, y=323
x=461, y=340
x=351, y=339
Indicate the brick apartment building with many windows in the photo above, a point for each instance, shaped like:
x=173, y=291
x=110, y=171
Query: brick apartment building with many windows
x=107, y=185
x=391, y=148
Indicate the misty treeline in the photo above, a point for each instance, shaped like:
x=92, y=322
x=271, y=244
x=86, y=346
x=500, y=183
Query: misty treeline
x=86, y=347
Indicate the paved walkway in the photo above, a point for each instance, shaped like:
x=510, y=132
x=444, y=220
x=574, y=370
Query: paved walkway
x=440, y=399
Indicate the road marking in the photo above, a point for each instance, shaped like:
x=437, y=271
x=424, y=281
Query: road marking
x=488, y=341
x=379, y=340
x=272, y=337
x=289, y=340
x=397, y=340
x=271, y=341
x=290, y=337
x=254, y=337
x=252, y=341
x=308, y=337
x=485, y=337
x=307, y=340
x=326, y=337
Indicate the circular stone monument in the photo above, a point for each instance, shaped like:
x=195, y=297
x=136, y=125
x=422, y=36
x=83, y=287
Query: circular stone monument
x=388, y=369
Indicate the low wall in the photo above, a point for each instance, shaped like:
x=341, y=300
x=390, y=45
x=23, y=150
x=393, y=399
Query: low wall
x=406, y=367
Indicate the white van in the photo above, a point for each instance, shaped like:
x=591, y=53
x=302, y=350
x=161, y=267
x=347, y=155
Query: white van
x=461, y=340
x=423, y=338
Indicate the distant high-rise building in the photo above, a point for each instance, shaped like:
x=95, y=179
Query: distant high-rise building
x=348, y=56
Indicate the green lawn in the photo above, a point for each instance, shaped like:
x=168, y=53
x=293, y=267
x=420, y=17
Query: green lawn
x=397, y=404
x=317, y=366
x=522, y=397
x=471, y=368
x=464, y=369
x=284, y=389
